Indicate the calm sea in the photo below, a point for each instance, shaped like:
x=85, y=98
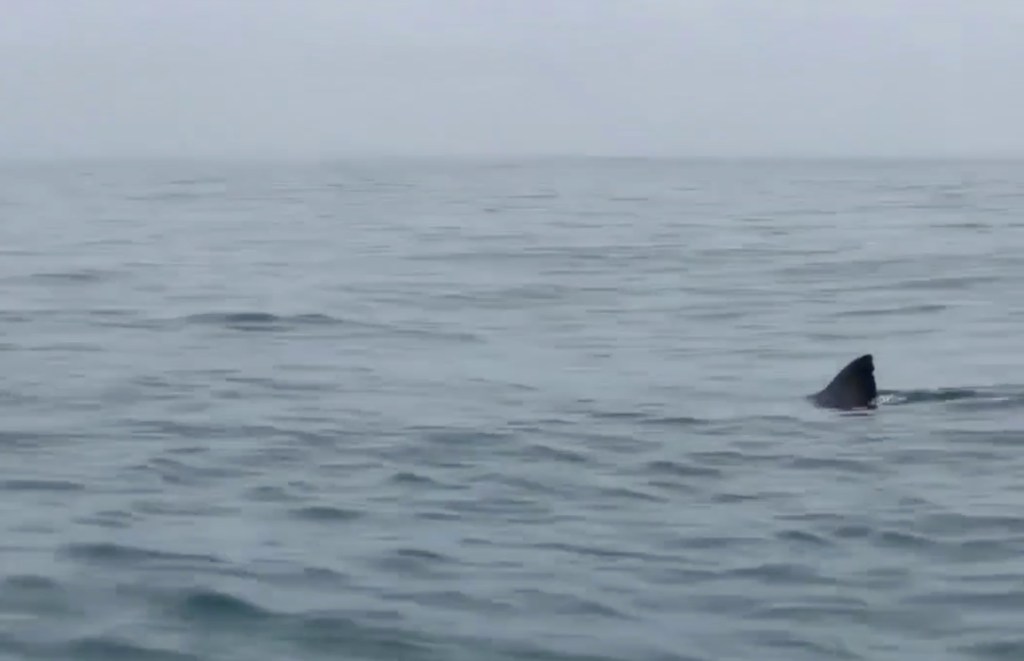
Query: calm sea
x=479, y=410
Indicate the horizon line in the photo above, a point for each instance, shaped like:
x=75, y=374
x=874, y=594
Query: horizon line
x=522, y=156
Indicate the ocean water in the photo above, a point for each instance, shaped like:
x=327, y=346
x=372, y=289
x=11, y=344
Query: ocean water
x=497, y=409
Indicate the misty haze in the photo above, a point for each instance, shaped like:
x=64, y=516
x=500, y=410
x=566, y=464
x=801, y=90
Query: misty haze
x=577, y=77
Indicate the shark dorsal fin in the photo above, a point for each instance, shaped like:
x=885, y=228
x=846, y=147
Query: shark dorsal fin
x=852, y=388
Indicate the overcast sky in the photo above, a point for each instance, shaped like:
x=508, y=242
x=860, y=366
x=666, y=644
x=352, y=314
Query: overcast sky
x=665, y=77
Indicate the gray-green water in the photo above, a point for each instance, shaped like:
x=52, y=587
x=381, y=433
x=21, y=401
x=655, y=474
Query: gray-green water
x=510, y=410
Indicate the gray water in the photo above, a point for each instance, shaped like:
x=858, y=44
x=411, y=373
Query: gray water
x=476, y=410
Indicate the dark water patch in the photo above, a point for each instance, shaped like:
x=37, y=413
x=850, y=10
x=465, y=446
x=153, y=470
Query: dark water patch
x=547, y=601
x=726, y=604
x=41, y=485
x=84, y=276
x=852, y=531
x=274, y=323
x=676, y=487
x=804, y=538
x=543, y=452
x=904, y=540
x=166, y=429
x=625, y=493
x=413, y=478
x=735, y=459
x=176, y=472
x=683, y=470
x=33, y=441
x=415, y=562
x=113, y=519
x=182, y=509
x=957, y=525
x=795, y=646
x=834, y=464
x=718, y=315
x=22, y=316
x=1007, y=599
x=109, y=553
x=673, y=421
x=1008, y=649
x=65, y=347
x=197, y=181
x=459, y=438
x=256, y=321
x=511, y=509
x=944, y=283
x=716, y=542
x=504, y=297
x=781, y=573
x=900, y=310
x=833, y=609
x=327, y=514
x=521, y=651
x=40, y=596
x=604, y=552
x=111, y=648
x=737, y=498
x=273, y=494
x=437, y=515
x=526, y=485
x=343, y=637
x=29, y=582
x=538, y=195
x=213, y=606
x=618, y=415
x=986, y=550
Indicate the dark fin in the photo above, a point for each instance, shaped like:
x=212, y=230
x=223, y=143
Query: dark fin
x=853, y=388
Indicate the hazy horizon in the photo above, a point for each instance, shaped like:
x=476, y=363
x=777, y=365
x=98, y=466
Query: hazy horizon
x=694, y=79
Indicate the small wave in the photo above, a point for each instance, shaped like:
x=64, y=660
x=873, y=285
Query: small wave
x=903, y=540
x=40, y=485
x=783, y=573
x=107, y=552
x=997, y=650
x=413, y=562
x=678, y=469
x=538, y=195
x=268, y=322
x=109, y=648
x=409, y=477
x=595, y=551
x=648, y=419
x=29, y=582
x=261, y=320
x=458, y=437
x=75, y=277
x=950, y=282
x=205, y=605
x=803, y=537
x=546, y=452
x=832, y=464
x=326, y=513
x=908, y=309
x=624, y=493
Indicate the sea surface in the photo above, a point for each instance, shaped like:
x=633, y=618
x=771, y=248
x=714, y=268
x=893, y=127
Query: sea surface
x=475, y=410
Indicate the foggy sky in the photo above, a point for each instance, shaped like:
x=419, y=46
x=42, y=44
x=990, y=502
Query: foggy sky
x=633, y=77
